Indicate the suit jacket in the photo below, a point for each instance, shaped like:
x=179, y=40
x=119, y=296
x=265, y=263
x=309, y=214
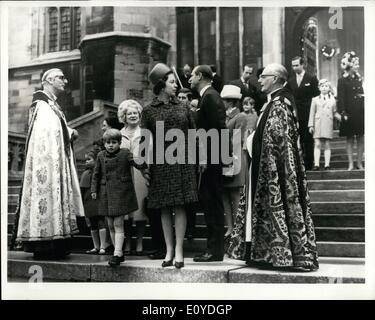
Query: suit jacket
x=211, y=115
x=112, y=181
x=252, y=91
x=303, y=94
x=217, y=83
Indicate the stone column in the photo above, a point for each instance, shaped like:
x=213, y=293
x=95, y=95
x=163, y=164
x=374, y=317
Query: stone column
x=196, y=43
x=273, y=35
x=172, y=37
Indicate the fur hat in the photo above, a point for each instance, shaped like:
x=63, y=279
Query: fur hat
x=231, y=92
x=158, y=72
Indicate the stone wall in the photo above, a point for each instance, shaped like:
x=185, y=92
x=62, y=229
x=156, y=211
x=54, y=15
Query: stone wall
x=133, y=61
x=23, y=81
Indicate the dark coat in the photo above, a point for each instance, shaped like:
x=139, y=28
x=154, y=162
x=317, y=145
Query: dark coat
x=211, y=114
x=303, y=95
x=112, y=182
x=217, y=83
x=175, y=184
x=350, y=102
x=251, y=91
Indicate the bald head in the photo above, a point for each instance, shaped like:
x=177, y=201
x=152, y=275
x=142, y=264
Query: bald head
x=53, y=80
x=273, y=77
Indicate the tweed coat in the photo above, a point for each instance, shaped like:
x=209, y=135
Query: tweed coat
x=321, y=116
x=112, y=182
x=170, y=184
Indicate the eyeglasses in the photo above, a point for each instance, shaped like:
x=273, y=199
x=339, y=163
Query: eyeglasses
x=62, y=78
x=262, y=76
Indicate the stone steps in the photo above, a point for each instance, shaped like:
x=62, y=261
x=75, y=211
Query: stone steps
x=335, y=175
x=90, y=268
x=344, y=184
x=340, y=195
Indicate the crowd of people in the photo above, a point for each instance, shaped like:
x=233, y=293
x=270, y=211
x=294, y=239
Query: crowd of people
x=261, y=196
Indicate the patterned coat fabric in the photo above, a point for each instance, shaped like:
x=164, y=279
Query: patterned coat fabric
x=282, y=227
x=51, y=197
x=113, y=183
x=132, y=142
x=170, y=184
x=350, y=102
x=321, y=116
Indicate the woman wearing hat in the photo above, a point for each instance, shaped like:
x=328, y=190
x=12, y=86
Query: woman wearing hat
x=233, y=183
x=172, y=186
x=350, y=104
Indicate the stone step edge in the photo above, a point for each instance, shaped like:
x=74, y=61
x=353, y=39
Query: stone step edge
x=207, y=275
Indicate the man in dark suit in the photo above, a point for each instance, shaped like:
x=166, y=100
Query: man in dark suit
x=304, y=87
x=210, y=116
x=247, y=89
x=185, y=76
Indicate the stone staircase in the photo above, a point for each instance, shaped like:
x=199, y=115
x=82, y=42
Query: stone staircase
x=338, y=205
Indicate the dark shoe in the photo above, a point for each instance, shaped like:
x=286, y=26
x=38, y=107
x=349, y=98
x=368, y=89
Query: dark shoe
x=168, y=263
x=158, y=255
x=139, y=253
x=207, y=257
x=127, y=253
x=316, y=168
x=115, y=261
x=327, y=168
x=179, y=265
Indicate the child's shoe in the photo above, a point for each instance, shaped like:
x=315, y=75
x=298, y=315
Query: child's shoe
x=327, y=168
x=102, y=251
x=316, y=168
x=115, y=261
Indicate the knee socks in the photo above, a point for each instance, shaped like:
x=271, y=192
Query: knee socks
x=327, y=157
x=103, y=238
x=316, y=156
x=95, y=239
x=119, y=242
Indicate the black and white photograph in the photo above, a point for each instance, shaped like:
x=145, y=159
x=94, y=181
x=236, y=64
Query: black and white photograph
x=187, y=150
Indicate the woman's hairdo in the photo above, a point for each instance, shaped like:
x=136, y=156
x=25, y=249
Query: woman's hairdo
x=160, y=85
x=112, y=134
x=125, y=106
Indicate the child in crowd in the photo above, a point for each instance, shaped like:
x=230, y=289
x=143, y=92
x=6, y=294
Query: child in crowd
x=94, y=218
x=248, y=106
x=112, y=184
x=322, y=113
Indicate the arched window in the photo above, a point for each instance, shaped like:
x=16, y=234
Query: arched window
x=64, y=28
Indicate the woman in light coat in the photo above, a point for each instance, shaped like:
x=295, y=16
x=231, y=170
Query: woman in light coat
x=129, y=113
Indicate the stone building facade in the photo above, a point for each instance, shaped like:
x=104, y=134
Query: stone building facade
x=107, y=52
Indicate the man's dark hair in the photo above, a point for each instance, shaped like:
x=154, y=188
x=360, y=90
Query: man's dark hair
x=213, y=67
x=299, y=58
x=247, y=65
x=259, y=72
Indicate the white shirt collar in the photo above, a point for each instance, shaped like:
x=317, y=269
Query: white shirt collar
x=201, y=93
x=243, y=80
x=301, y=74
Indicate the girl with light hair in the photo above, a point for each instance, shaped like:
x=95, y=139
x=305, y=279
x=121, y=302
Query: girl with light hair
x=322, y=113
x=129, y=113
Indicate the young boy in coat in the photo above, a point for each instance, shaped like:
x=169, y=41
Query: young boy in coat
x=112, y=184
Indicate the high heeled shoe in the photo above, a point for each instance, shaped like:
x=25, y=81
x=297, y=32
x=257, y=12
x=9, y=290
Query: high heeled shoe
x=179, y=265
x=168, y=263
